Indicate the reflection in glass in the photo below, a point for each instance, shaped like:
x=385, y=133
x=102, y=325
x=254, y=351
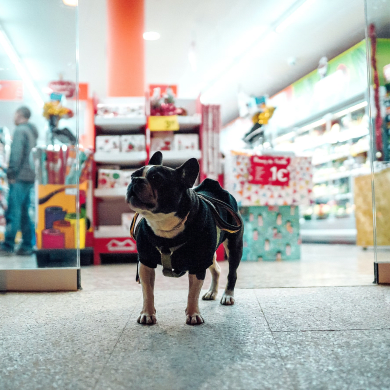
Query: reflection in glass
x=38, y=100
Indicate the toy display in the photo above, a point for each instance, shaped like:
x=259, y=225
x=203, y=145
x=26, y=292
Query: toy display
x=163, y=104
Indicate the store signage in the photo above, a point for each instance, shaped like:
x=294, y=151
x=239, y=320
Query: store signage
x=163, y=123
x=163, y=88
x=11, y=90
x=66, y=88
x=269, y=170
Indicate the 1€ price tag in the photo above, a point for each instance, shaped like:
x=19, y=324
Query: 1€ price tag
x=270, y=170
x=163, y=123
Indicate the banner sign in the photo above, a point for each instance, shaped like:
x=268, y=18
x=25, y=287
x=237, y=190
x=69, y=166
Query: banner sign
x=163, y=88
x=11, y=90
x=269, y=170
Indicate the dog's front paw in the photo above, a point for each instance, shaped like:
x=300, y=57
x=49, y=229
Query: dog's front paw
x=194, y=318
x=146, y=318
x=227, y=298
x=210, y=295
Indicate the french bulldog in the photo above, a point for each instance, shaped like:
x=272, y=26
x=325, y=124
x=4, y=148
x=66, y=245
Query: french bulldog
x=179, y=224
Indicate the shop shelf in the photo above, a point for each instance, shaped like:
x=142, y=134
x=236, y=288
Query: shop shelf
x=335, y=156
x=118, y=123
x=111, y=232
x=343, y=136
x=340, y=175
x=131, y=158
x=348, y=195
x=172, y=157
x=110, y=192
x=189, y=122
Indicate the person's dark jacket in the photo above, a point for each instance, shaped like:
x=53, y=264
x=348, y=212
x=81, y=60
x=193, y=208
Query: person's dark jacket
x=20, y=166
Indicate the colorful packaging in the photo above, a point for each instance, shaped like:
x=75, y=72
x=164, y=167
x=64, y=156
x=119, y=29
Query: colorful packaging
x=132, y=143
x=109, y=178
x=161, y=140
x=126, y=177
x=271, y=233
x=108, y=143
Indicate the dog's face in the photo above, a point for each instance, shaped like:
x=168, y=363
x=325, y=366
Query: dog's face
x=158, y=189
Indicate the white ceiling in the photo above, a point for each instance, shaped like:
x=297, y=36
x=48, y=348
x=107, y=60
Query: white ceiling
x=221, y=28
x=43, y=33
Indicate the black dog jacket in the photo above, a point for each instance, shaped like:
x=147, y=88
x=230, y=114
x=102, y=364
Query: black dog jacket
x=198, y=243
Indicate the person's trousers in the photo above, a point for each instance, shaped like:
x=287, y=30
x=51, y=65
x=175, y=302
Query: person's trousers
x=17, y=216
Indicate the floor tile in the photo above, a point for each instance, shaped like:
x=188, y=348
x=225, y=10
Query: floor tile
x=357, y=360
x=234, y=349
x=326, y=308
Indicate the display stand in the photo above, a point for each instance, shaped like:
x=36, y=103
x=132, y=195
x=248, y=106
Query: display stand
x=61, y=228
x=178, y=137
x=269, y=190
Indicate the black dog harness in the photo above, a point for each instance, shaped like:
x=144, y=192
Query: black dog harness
x=166, y=253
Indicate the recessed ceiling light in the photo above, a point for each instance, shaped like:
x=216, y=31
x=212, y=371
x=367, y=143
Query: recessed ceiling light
x=71, y=3
x=151, y=36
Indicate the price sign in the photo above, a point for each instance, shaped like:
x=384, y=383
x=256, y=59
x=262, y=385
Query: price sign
x=163, y=123
x=270, y=170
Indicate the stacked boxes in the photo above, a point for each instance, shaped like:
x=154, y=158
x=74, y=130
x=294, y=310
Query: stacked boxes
x=120, y=143
x=271, y=233
x=167, y=141
x=114, y=178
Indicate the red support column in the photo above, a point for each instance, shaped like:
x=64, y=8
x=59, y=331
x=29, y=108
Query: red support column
x=125, y=47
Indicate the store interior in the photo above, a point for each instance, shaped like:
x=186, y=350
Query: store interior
x=237, y=85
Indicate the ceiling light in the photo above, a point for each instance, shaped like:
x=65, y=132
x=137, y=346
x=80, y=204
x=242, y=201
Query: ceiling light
x=71, y=3
x=295, y=12
x=350, y=110
x=13, y=56
x=151, y=36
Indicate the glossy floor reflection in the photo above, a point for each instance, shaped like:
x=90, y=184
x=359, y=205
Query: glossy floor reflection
x=320, y=265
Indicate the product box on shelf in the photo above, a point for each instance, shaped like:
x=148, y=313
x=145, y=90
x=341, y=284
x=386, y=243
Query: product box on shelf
x=161, y=141
x=57, y=222
x=108, y=143
x=132, y=143
x=186, y=142
x=126, y=176
x=126, y=221
x=271, y=233
x=109, y=178
x=126, y=110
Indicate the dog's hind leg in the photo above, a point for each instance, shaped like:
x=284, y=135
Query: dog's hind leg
x=215, y=270
x=233, y=247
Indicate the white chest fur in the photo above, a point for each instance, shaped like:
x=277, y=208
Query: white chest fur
x=164, y=225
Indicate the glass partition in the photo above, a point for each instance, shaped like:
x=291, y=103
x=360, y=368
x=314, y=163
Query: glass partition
x=378, y=47
x=42, y=213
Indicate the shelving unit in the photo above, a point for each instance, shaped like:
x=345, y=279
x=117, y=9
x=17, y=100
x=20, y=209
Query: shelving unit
x=109, y=235
x=339, y=147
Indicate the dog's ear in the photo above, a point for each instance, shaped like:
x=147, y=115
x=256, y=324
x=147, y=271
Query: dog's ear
x=156, y=159
x=188, y=172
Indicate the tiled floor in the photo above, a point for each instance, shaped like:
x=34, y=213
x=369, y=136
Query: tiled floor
x=307, y=334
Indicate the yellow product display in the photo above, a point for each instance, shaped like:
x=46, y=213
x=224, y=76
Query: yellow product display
x=72, y=218
x=55, y=203
x=67, y=228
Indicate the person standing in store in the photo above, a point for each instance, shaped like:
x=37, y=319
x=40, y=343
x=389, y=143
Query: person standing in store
x=21, y=176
